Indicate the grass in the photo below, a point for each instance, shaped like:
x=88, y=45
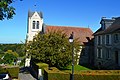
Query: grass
x=78, y=68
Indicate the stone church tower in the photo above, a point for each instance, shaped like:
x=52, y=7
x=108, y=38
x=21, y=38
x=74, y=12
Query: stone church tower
x=34, y=25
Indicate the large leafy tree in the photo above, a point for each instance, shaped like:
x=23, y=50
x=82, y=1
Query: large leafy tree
x=6, y=10
x=52, y=48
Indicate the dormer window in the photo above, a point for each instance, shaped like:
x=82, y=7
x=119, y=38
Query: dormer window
x=33, y=25
x=103, y=25
x=37, y=24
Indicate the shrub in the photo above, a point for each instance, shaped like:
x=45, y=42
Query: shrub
x=13, y=71
x=97, y=75
x=2, y=70
x=55, y=74
x=42, y=65
x=9, y=58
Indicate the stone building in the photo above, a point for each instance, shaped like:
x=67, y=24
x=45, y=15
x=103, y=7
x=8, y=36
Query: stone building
x=107, y=44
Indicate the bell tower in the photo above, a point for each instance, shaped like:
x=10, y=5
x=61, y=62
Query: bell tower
x=34, y=24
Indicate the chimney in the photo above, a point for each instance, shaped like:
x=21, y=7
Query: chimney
x=103, y=17
x=113, y=18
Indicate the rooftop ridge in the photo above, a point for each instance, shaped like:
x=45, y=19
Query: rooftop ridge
x=67, y=26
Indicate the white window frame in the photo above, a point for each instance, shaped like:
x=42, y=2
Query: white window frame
x=99, y=43
x=108, y=56
x=105, y=39
x=36, y=25
x=99, y=53
x=33, y=24
x=108, y=38
x=101, y=39
x=115, y=38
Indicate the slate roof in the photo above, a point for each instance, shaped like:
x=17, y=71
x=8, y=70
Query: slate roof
x=115, y=26
x=30, y=14
x=108, y=20
x=80, y=33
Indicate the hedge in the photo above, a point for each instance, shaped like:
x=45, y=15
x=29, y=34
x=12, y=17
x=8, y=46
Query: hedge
x=42, y=65
x=97, y=75
x=12, y=70
x=55, y=74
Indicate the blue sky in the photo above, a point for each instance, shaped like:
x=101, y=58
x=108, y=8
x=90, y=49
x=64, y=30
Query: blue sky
x=79, y=13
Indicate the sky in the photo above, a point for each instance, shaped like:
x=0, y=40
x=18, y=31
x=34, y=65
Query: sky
x=78, y=13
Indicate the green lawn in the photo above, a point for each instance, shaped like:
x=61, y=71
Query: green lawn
x=69, y=68
x=78, y=68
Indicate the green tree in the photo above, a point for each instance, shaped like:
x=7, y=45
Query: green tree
x=11, y=52
x=6, y=10
x=9, y=58
x=52, y=48
x=18, y=48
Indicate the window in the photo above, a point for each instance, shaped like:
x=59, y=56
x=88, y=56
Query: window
x=116, y=38
x=103, y=26
x=33, y=25
x=99, y=40
x=107, y=53
x=37, y=24
x=107, y=39
x=99, y=53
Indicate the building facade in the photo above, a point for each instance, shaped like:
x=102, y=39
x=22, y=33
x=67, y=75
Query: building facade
x=34, y=25
x=107, y=44
x=84, y=35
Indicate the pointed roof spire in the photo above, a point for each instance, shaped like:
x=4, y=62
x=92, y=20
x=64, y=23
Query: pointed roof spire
x=30, y=13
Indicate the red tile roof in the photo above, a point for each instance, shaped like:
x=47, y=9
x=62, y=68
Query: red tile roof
x=80, y=33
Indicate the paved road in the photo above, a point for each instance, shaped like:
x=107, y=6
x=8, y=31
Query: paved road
x=27, y=74
x=24, y=76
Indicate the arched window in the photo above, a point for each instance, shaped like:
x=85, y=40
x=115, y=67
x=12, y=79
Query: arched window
x=33, y=25
x=37, y=25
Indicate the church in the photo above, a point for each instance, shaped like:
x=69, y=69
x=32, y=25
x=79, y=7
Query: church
x=35, y=24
